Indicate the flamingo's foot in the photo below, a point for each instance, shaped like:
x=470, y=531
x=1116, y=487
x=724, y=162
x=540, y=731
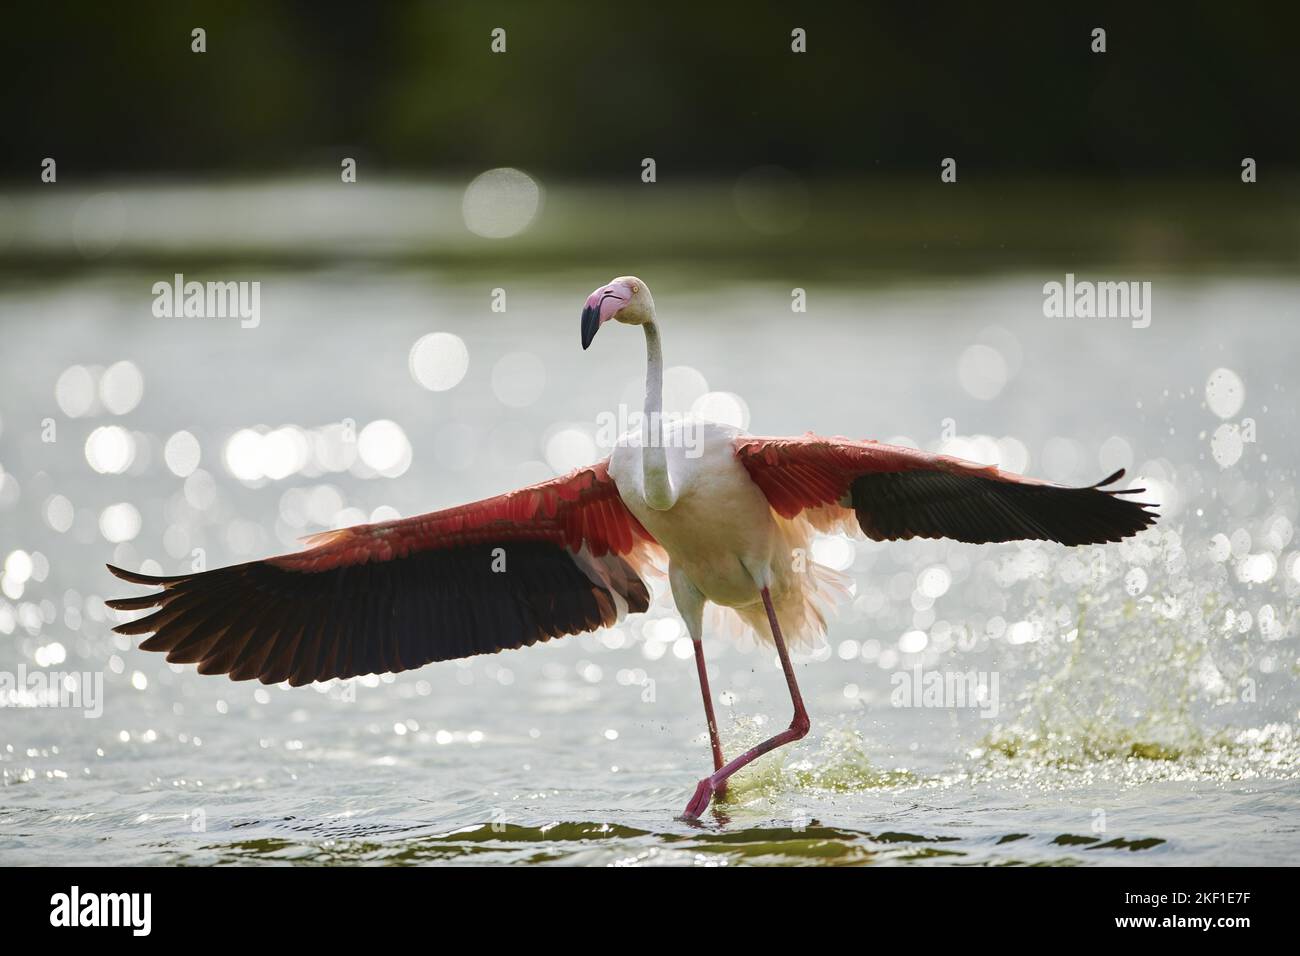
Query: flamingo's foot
x=700, y=802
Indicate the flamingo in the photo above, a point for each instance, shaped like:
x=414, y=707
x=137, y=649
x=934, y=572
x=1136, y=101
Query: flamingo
x=727, y=512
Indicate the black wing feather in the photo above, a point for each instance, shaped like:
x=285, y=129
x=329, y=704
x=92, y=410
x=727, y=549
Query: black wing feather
x=276, y=624
x=979, y=509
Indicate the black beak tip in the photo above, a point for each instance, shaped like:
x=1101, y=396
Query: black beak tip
x=590, y=325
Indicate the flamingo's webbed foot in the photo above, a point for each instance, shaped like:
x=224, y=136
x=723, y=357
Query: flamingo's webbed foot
x=700, y=802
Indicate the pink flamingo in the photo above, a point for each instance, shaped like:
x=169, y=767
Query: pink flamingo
x=566, y=556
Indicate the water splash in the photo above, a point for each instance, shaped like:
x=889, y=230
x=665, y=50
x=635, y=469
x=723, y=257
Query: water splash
x=1160, y=676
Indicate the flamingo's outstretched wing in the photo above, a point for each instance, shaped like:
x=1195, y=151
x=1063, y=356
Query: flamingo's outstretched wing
x=897, y=492
x=555, y=558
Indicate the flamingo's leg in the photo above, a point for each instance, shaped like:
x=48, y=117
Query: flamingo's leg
x=714, y=740
x=797, y=730
x=690, y=604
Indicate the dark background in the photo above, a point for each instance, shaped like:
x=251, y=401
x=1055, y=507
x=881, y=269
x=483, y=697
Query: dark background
x=776, y=172
x=589, y=89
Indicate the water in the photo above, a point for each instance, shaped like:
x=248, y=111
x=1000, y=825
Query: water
x=1147, y=696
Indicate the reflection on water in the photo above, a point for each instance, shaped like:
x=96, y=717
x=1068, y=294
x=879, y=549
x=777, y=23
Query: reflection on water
x=1146, y=691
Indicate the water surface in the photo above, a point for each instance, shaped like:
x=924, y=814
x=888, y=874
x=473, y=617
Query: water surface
x=1147, y=692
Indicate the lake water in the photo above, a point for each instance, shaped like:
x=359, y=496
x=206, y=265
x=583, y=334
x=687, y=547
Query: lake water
x=1146, y=704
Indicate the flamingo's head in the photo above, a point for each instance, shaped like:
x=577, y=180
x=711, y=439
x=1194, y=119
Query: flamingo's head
x=626, y=299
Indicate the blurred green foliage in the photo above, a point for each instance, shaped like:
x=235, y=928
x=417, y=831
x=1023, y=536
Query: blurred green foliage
x=589, y=89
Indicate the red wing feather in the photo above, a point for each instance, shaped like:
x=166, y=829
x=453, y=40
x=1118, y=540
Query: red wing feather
x=396, y=595
x=897, y=492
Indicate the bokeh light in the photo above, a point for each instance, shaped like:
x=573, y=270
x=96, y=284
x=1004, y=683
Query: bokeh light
x=501, y=203
x=383, y=446
x=75, y=391
x=182, y=454
x=726, y=408
x=121, y=387
x=120, y=522
x=982, y=371
x=834, y=551
x=110, y=449
x=1225, y=392
x=570, y=447
x=438, y=361
x=518, y=379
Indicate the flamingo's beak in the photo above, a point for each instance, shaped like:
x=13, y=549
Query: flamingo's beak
x=601, y=307
x=590, y=323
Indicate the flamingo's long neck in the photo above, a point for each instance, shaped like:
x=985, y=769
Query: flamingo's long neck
x=657, y=484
